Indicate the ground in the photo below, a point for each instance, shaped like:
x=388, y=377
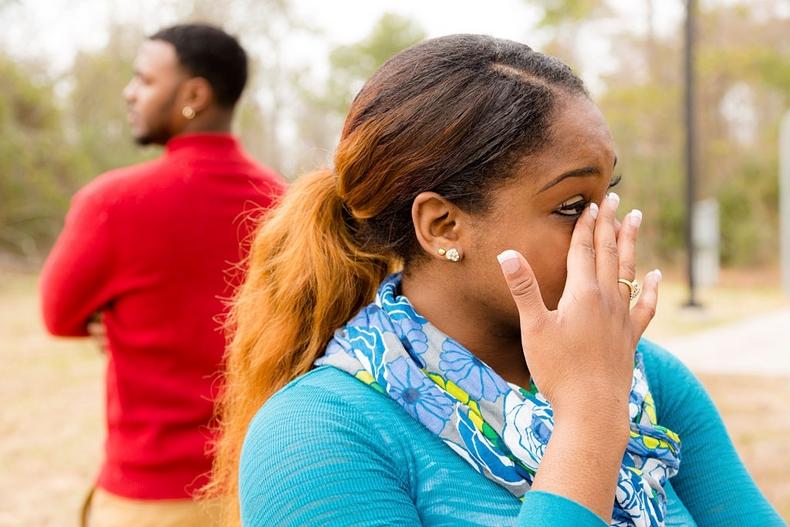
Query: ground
x=51, y=423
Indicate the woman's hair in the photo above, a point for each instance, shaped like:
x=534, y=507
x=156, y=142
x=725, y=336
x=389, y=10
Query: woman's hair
x=452, y=115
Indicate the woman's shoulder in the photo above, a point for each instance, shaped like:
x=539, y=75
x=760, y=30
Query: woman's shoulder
x=324, y=386
x=324, y=433
x=661, y=366
x=672, y=384
x=326, y=405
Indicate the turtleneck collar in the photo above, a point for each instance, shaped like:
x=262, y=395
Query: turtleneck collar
x=202, y=141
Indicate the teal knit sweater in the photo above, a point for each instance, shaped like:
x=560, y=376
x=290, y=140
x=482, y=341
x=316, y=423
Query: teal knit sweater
x=329, y=450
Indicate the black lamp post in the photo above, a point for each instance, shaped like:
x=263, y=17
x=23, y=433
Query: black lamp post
x=691, y=6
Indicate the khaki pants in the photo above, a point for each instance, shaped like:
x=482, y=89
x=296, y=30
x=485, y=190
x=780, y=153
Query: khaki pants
x=103, y=509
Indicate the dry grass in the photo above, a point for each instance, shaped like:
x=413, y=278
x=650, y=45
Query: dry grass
x=51, y=423
x=758, y=419
x=741, y=295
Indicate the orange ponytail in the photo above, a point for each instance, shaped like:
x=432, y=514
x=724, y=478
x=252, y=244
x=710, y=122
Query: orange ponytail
x=305, y=279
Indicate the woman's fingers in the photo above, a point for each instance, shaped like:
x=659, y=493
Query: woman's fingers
x=645, y=309
x=581, y=254
x=523, y=286
x=626, y=247
x=606, y=252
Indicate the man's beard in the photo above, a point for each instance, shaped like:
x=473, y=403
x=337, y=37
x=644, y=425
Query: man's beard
x=152, y=138
x=158, y=135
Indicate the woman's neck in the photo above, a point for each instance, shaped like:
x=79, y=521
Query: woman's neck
x=467, y=322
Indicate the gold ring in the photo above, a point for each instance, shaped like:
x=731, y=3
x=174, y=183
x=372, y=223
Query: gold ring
x=633, y=287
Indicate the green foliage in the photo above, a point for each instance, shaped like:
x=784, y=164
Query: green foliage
x=643, y=104
x=559, y=12
x=352, y=65
x=96, y=103
x=35, y=170
x=57, y=134
x=749, y=217
x=54, y=145
x=320, y=111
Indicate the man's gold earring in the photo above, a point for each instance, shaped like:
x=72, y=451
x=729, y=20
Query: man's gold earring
x=188, y=112
x=451, y=254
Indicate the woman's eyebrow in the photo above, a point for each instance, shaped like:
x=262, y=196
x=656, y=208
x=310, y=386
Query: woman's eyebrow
x=576, y=172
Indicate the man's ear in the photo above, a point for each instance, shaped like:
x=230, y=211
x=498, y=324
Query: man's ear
x=438, y=224
x=197, y=93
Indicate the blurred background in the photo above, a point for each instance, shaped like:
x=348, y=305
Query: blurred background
x=63, y=65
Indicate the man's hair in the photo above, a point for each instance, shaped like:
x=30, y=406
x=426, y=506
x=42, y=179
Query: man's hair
x=207, y=51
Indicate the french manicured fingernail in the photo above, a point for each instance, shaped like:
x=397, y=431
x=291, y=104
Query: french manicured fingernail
x=657, y=275
x=614, y=199
x=593, y=210
x=635, y=217
x=509, y=261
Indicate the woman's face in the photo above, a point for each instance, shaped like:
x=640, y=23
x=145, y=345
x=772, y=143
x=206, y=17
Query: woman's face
x=535, y=211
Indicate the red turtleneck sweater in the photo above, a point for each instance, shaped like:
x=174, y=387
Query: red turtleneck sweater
x=152, y=247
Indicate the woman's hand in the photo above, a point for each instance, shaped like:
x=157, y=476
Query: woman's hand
x=581, y=355
x=584, y=350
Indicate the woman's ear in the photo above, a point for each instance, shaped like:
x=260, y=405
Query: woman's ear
x=438, y=226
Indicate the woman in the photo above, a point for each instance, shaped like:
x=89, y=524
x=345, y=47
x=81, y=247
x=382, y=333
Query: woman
x=428, y=397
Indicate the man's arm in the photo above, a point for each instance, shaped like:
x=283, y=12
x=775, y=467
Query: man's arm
x=76, y=279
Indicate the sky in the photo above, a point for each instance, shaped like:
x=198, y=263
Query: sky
x=54, y=30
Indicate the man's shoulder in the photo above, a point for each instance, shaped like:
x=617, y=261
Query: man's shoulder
x=268, y=179
x=114, y=183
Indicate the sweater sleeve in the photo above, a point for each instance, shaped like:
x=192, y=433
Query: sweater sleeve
x=544, y=509
x=76, y=278
x=712, y=481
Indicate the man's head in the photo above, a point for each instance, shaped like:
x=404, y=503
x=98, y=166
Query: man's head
x=186, y=78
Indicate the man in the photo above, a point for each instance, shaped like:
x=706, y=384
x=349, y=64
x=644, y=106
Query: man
x=148, y=248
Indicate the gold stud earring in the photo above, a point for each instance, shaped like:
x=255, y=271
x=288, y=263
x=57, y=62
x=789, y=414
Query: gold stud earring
x=451, y=254
x=188, y=112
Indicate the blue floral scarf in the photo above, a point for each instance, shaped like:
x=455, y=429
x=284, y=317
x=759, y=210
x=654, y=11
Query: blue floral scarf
x=500, y=429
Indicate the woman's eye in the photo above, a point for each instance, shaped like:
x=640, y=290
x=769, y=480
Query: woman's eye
x=573, y=207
